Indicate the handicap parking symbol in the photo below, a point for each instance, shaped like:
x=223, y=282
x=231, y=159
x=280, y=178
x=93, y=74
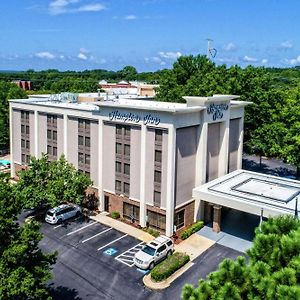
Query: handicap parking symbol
x=110, y=251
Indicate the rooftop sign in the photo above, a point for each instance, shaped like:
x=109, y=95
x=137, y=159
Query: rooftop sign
x=217, y=110
x=132, y=117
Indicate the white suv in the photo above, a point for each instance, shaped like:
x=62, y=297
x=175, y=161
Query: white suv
x=61, y=213
x=154, y=252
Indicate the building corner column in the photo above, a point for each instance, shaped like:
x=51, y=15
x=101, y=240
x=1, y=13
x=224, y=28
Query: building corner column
x=12, y=159
x=224, y=148
x=241, y=140
x=170, y=201
x=143, y=208
x=100, y=166
x=36, y=134
x=65, y=136
x=217, y=218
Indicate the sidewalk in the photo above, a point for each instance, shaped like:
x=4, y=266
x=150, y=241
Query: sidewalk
x=194, y=246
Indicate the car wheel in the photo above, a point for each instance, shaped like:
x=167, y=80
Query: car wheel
x=169, y=253
x=151, y=266
x=59, y=221
x=77, y=214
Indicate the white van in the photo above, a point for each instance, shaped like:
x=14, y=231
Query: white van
x=61, y=213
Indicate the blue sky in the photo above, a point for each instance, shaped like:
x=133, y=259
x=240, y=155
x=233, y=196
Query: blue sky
x=147, y=34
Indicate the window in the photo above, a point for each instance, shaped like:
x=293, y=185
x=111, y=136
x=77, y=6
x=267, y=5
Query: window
x=87, y=125
x=118, y=185
x=131, y=211
x=126, y=188
x=27, y=129
x=22, y=128
x=127, y=150
x=80, y=123
x=23, y=159
x=87, y=159
x=158, y=156
x=27, y=144
x=80, y=140
x=54, y=151
x=49, y=135
x=80, y=158
x=54, y=135
x=156, y=220
x=179, y=219
x=127, y=131
x=161, y=249
x=87, y=141
x=49, y=150
x=157, y=176
x=157, y=198
x=87, y=173
x=22, y=114
x=27, y=159
x=158, y=135
x=127, y=169
x=118, y=148
x=118, y=167
x=22, y=143
x=27, y=115
x=118, y=129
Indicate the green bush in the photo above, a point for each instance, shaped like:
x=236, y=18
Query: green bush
x=115, y=215
x=169, y=266
x=151, y=231
x=192, y=229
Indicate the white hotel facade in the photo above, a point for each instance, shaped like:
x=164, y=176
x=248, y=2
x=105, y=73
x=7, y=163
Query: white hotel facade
x=144, y=157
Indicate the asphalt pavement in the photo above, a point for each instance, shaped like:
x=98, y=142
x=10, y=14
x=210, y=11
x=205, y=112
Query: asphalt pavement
x=95, y=261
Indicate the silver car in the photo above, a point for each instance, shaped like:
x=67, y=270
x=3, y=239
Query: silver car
x=61, y=213
x=154, y=252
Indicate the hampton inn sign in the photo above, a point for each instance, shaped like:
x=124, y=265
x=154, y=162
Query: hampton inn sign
x=131, y=117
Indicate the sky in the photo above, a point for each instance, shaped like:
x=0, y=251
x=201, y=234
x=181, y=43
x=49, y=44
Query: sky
x=147, y=34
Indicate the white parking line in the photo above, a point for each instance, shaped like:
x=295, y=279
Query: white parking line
x=96, y=235
x=81, y=228
x=126, y=257
x=112, y=242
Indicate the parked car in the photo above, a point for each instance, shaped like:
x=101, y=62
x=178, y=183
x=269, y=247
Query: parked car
x=61, y=213
x=153, y=252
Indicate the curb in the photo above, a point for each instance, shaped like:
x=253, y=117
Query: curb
x=149, y=283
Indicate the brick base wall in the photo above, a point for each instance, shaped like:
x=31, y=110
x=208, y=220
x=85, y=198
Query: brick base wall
x=189, y=210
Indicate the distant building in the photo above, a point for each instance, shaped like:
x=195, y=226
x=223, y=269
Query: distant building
x=128, y=88
x=26, y=85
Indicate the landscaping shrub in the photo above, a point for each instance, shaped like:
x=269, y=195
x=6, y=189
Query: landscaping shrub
x=169, y=266
x=115, y=215
x=151, y=231
x=192, y=229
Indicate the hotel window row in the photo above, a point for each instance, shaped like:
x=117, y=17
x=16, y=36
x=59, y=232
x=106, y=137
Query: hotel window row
x=84, y=146
x=52, y=137
x=25, y=137
x=157, y=167
x=122, y=161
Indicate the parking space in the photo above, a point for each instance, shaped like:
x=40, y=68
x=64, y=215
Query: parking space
x=97, y=240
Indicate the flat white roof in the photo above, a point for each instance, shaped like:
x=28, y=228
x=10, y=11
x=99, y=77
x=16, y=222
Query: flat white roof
x=250, y=191
x=124, y=101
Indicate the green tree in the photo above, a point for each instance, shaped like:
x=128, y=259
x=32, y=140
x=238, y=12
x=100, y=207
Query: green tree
x=24, y=268
x=272, y=271
x=50, y=183
x=7, y=91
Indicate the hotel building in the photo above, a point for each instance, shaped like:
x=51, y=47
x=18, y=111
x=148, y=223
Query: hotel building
x=144, y=157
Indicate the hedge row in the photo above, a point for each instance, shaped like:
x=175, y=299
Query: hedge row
x=152, y=231
x=169, y=266
x=189, y=231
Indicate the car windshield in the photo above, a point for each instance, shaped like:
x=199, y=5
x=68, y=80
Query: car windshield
x=49, y=213
x=149, y=250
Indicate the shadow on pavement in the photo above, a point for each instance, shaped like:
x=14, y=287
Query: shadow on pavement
x=65, y=293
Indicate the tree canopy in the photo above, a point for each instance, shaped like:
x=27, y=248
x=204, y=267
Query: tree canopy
x=24, y=268
x=49, y=183
x=273, y=270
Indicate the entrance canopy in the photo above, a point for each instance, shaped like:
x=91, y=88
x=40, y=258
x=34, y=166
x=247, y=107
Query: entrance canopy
x=252, y=192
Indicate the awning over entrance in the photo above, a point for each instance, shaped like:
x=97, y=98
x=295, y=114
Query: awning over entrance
x=252, y=192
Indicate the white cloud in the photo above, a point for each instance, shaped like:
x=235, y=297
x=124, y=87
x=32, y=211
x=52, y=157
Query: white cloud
x=45, y=54
x=82, y=56
x=293, y=61
x=229, y=47
x=286, y=45
x=130, y=17
x=58, y=7
x=247, y=58
x=169, y=55
x=264, y=61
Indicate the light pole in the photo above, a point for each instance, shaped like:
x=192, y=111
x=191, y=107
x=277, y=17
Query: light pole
x=296, y=208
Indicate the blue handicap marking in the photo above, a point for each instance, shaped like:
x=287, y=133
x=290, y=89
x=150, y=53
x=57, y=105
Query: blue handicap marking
x=143, y=271
x=110, y=251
